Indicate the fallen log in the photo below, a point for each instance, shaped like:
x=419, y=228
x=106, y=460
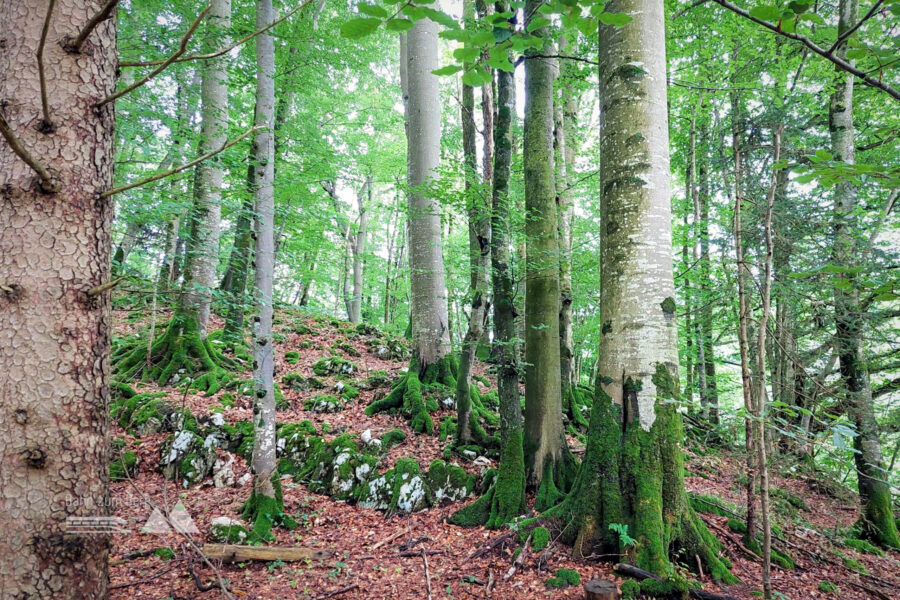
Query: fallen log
x=632, y=571
x=233, y=553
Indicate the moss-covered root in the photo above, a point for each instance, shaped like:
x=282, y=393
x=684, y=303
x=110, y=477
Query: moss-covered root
x=505, y=499
x=575, y=399
x=877, y=522
x=406, y=393
x=264, y=511
x=179, y=349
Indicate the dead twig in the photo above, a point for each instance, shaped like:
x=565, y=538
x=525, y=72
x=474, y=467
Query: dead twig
x=489, y=547
x=520, y=560
x=390, y=538
x=74, y=45
x=103, y=287
x=182, y=47
x=427, y=574
x=180, y=168
x=342, y=590
x=46, y=124
x=47, y=183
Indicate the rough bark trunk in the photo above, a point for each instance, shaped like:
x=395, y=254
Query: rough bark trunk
x=877, y=520
x=549, y=464
x=54, y=339
x=632, y=472
x=264, y=498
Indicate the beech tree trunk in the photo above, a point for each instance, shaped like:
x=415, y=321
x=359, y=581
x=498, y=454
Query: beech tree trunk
x=430, y=323
x=358, y=247
x=54, y=338
x=546, y=454
x=633, y=469
x=264, y=195
x=234, y=282
x=877, y=518
x=203, y=244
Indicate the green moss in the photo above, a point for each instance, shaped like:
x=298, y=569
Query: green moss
x=349, y=392
x=292, y=357
x=392, y=438
x=265, y=512
x=505, y=498
x=737, y=526
x=564, y=578
x=333, y=365
x=301, y=329
x=165, y=553
x=229, y=534
x=863, y=546
x=324, y=403
x=631, y=589
x=540, y=537
x=378, y=378
x=826, y=587
x=668, y=306
x=711, y=505
x=665, y=588
x=124, y=466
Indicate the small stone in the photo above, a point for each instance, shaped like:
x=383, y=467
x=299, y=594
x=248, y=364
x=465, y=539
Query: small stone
x=482, y=461
x=448, y=402
x=223, y=471
x=244, y=479
x=366, y=436
x=469, y=454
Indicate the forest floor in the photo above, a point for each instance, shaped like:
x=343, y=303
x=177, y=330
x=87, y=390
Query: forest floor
x=374, y=556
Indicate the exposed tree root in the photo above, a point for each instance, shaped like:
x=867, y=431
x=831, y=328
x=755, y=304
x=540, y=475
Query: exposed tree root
x=180, y=347
x=505, y=498
x=263, y=512
x=407, y=393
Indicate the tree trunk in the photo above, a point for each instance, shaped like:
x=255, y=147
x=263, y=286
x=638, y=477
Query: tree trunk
x=709, y=393
x=234, y=283
x=546, y=454
x=132, y=234
x=264, y=503
x=54, y=339
x=167, y=269
x=479, y=217
x=358, y=246
x=430, y=325
x=877, y=519
x=505, y=500
x=632, y=472
x=565, y=120
x=203, y=244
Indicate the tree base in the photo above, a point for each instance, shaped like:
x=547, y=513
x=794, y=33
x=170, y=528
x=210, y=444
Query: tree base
x=180, y=348
x=263, y=512
x=505, y=498
x=406, y=393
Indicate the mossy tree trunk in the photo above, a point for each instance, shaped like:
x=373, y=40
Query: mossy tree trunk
x=505, y=499
x=709, y=396
x=565, y=119
x=633, y=470
x=234, y=282
x=479, y=260
x=877, y=518
x=549, y=463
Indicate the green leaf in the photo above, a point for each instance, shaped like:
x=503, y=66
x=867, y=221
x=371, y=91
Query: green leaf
x=398, y=25
x=476, y=77
x=765, y=12
x=448, y=70
x=465, y=54
x=614, y=19
x=857, y=53
x=359, y=28
x=537, y=23
x=373, y=10
x=440, y=17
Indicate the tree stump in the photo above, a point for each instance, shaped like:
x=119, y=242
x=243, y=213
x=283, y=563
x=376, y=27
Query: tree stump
x=601, y=589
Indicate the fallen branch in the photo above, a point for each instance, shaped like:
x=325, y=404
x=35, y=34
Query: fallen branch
x=635, y=572
x=74, y=46
x=220, y=51
x=427, y=574
x=390, y=538
x=520, y=559
x=182, y=47
x=838, y=61
x=233, y=553
x=337, y=592
x=489, y=547
x=96, y=291
x=46, y=124
x=179, y=169
x=46, y=181
x=411, y=553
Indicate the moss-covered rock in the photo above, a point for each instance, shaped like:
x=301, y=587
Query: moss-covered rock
x=540, y=538
x=324, y=403
x=378, y=378
x=292, y=357
x=333, y=365
x=400, y=490
x=299, y=383
x=187, y=457
x=392, y=438
x=863, y=546
x=228, y=531
x=448, y=482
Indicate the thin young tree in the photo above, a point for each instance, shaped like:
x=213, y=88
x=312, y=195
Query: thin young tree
x=56, y=159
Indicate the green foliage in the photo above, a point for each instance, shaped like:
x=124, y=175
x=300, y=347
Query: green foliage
x=564, y=578
x=826, y=587
x=292, y=357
